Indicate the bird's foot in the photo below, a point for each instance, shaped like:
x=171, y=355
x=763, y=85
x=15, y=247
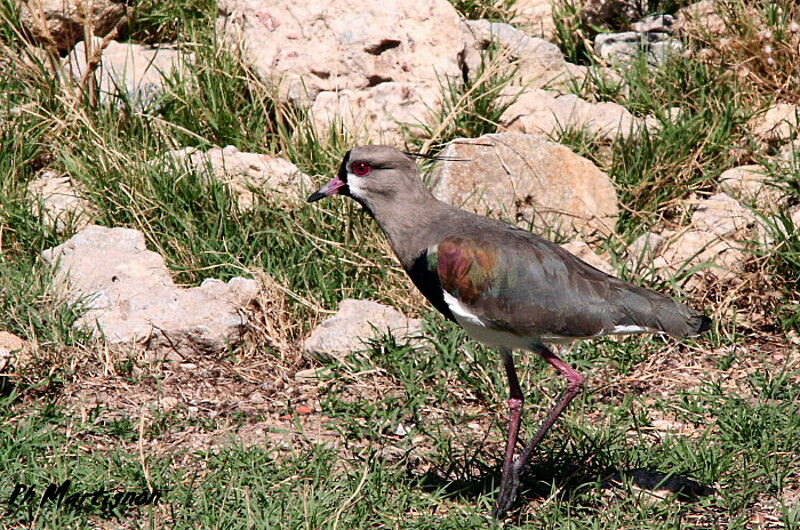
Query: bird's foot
x=509, y=486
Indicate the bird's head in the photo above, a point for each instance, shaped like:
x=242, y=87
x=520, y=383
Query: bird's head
x=372, y=174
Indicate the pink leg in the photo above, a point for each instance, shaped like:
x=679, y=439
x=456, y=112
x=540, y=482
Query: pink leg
x=510, y=483
x=515, y=401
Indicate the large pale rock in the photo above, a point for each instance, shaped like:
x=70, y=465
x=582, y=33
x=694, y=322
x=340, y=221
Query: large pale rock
x=57, y=201
x=531, y=180
x=778, y=123
x=309, y=48
x=696, y=250
x=244, y=172
x=130, y=297
x=354, y=324
x=750, y=184
x=135, y=71
x=723, y=216
x=61, y=22
x=539, y=63
x=540, y=111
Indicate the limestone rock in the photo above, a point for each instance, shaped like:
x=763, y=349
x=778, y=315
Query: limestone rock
x=532, y=180
x=57, y=201
x=778, y=123
x=130, y=297
x=355, y=323
x=61, y=22
x=309, y=48
x=751, y=185
x=246, y=171
x=134, y=71
x=583, y=251
x=543, y=112
x=723, y=216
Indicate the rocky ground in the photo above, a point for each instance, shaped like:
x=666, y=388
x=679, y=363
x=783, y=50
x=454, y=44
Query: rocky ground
x=174, y=316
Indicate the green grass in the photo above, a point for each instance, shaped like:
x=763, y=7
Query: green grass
x=744, y=443
x=733, y=395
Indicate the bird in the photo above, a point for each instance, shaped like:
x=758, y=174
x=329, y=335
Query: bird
x=505, y=286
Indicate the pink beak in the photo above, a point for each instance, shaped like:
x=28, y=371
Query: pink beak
x=331, y=188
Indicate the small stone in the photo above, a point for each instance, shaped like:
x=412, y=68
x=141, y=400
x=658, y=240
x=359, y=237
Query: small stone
x=355, y=323
x=257, y=397
x=303, y=410
x=402, y=429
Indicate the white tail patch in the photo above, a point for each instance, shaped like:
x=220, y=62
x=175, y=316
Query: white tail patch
x=621, y=330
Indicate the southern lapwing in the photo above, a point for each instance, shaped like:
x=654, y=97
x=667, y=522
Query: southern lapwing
x=505, y=286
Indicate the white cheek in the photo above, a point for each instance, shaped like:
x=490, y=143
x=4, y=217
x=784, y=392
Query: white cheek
x=354, y=184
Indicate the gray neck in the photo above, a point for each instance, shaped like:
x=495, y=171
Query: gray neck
x=410, y=222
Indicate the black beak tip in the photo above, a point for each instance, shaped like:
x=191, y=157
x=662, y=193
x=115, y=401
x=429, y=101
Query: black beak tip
x=314, y=197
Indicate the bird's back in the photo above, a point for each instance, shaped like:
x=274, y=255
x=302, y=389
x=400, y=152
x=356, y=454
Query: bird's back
x=516, y=281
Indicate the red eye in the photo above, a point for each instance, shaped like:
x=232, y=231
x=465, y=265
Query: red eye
x=362, y=169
